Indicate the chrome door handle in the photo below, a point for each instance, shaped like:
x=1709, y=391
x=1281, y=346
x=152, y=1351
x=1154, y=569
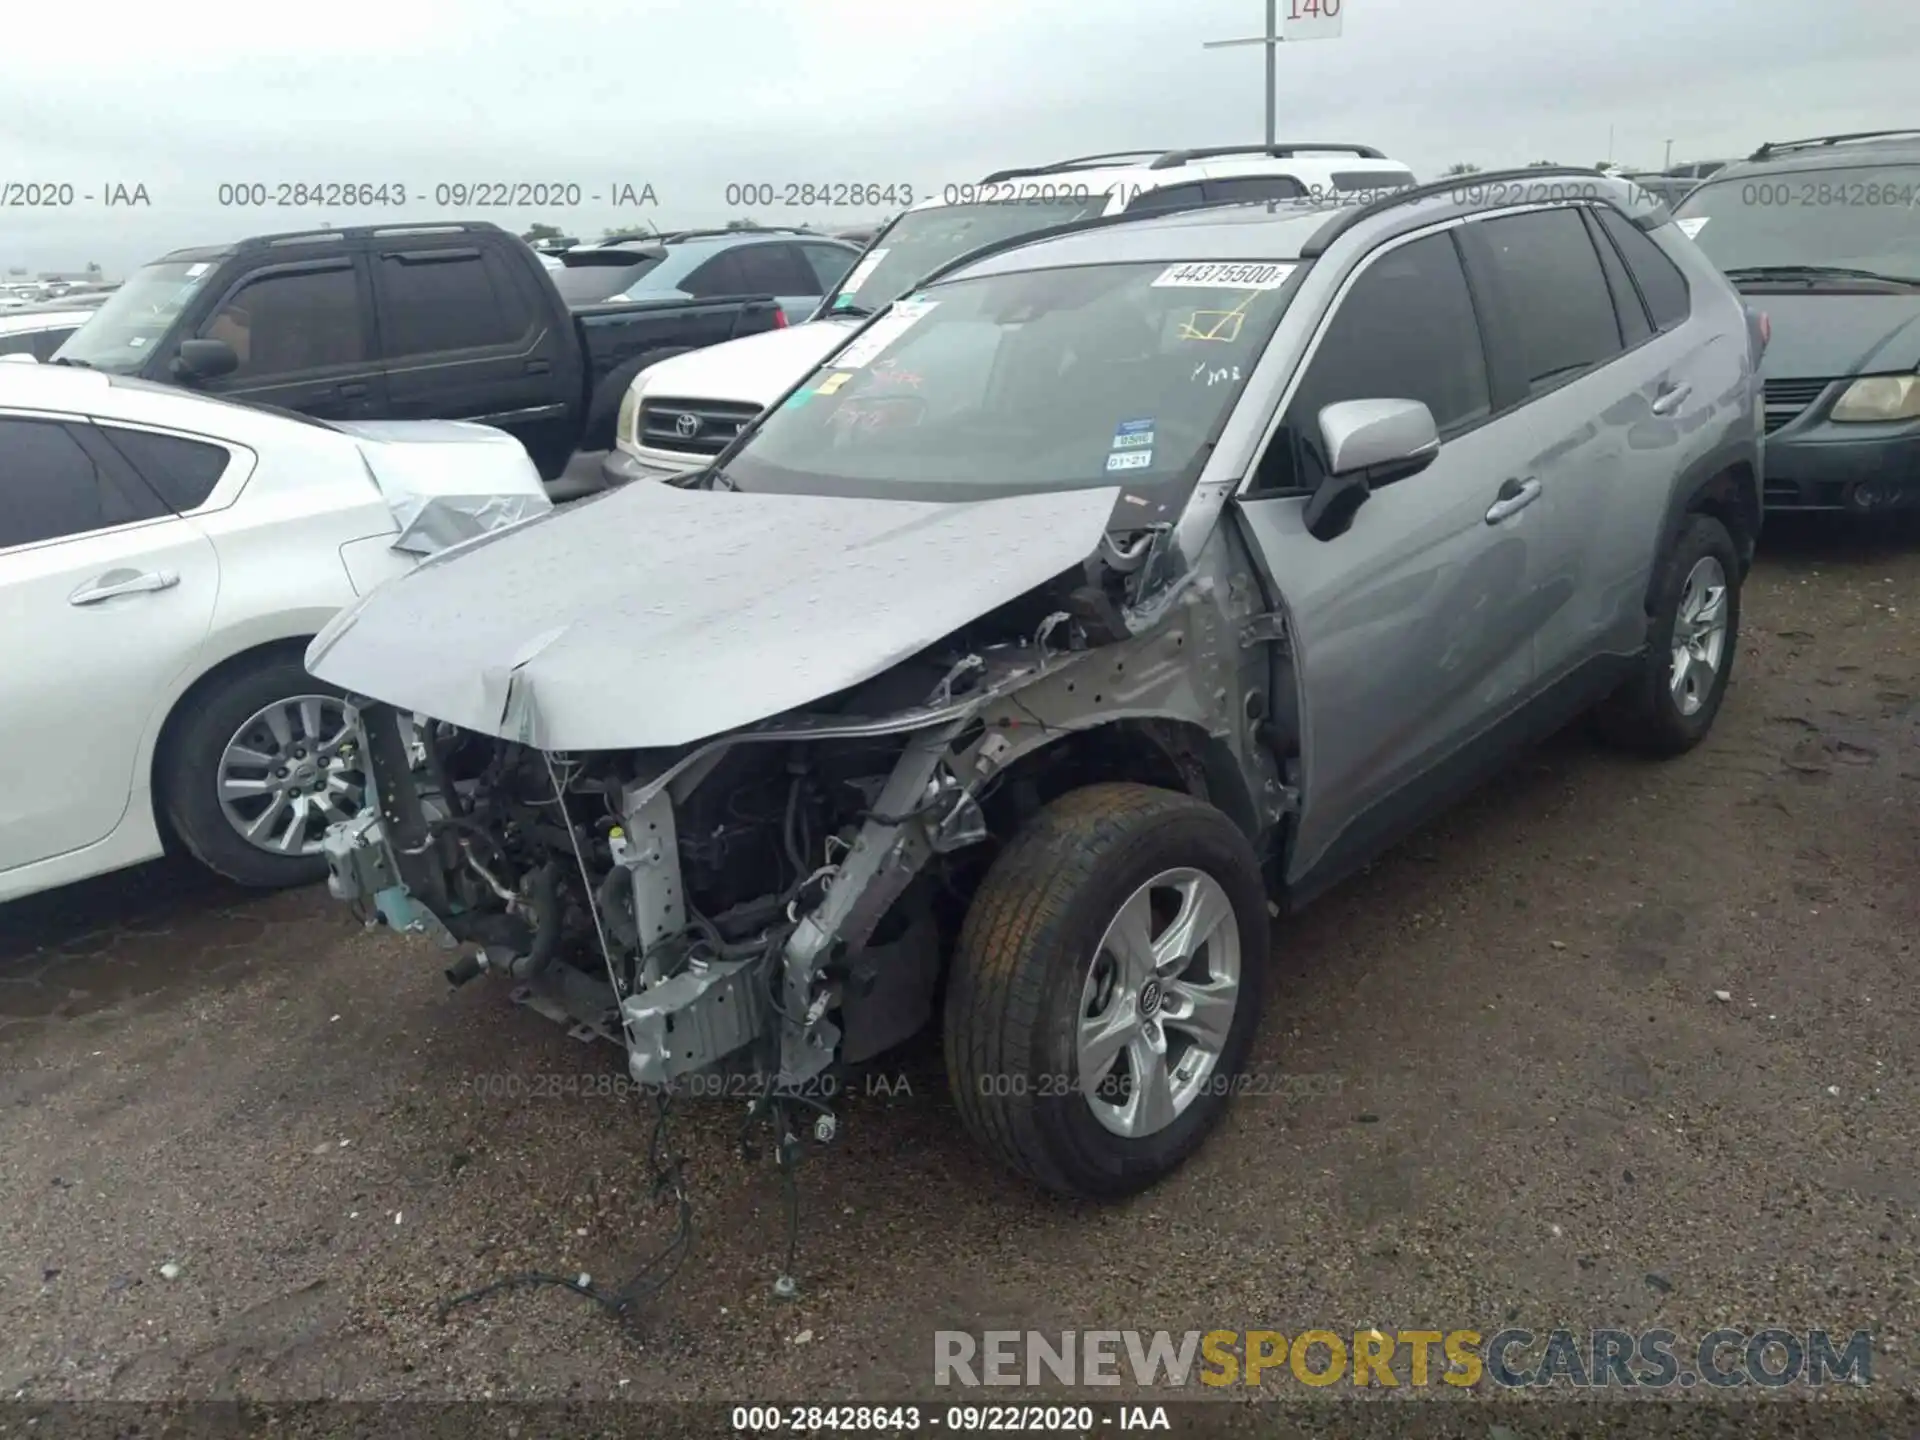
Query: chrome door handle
x=105, y=588
x=1670, y=400
x=1515, y=496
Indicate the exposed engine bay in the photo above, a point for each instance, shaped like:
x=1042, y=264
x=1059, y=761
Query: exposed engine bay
x=776, y=900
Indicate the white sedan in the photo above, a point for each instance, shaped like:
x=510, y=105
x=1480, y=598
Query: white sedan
x=164, y=560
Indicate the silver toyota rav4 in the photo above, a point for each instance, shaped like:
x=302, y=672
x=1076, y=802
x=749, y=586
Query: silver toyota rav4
x=1108, y=586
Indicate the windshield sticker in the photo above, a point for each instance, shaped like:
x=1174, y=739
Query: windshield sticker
x=1221, y=325
x=862, y=272
x=833, y=382
x=1134, y=435
x=136, y=341
x=194, y=272
x=904, y=315
x=797, y=399
x=1215, y=275
x=1693, y=225
x=1129, y=460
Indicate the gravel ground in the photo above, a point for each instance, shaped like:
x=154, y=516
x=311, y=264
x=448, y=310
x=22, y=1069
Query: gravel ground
x=1520, y=1100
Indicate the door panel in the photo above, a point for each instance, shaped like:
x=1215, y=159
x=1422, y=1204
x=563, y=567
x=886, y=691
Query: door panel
x=1412, y=633
x=462, y=339
x=82, y=678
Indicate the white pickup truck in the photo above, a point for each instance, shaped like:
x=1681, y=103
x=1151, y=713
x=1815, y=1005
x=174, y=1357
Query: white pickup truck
x=683, y=411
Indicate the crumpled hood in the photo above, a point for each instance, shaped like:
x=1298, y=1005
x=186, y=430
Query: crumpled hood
x=448, y=481
x=656, y=616
x=753, y=370
x=1828, y=337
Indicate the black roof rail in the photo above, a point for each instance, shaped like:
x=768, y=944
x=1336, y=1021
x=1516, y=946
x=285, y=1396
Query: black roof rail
x=1453, y=184
x=721, y=231
x=1774, y=147
x=362, y=232
x=1173, y=159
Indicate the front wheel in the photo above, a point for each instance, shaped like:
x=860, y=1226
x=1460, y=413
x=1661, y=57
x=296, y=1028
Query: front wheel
x=1106, y=989
x=265, y=762
x=1693, y=631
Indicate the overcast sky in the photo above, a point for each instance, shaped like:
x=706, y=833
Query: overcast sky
x=689, y=95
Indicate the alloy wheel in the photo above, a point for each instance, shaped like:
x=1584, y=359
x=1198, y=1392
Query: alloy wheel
x=1158, y=1002
x=290, y=771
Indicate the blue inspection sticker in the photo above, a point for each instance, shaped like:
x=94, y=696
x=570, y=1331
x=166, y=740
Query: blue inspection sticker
x=797, y=399
x=1134, y=435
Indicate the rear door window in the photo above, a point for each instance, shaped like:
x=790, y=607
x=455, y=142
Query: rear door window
x=1556, y=293
x=182, y=472
x=50, y=489
x=774, y=269
x=719, y=276
x=444, y=301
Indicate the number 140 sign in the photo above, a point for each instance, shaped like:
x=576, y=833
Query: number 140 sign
x=1310, y=19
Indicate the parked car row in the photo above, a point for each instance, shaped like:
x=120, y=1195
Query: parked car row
x=164, y=559
x=452, y=322
x=1069, y=588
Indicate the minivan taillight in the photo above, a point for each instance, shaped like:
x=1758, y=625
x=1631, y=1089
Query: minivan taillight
x=779, y=318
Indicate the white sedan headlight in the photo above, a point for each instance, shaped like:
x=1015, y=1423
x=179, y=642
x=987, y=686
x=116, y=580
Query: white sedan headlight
x=1880, y=397
x=629, y=413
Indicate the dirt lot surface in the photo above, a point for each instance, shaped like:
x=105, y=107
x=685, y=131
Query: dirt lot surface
x=1519, y=1098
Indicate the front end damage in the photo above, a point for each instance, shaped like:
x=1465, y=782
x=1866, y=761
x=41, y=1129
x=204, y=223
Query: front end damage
x=776, y=901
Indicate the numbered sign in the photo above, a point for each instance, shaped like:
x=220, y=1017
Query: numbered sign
x=1310, y=19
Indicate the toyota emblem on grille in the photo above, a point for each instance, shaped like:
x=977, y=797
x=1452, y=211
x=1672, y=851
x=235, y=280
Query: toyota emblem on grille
x=687, y=426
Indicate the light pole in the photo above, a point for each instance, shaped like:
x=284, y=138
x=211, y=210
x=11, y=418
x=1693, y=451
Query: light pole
x=1271, y=40
x=1668, y=163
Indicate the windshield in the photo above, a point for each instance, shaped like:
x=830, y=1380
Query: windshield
x=119, y=335
x=921, y=241
x=1857, y=218
x=1042, y=380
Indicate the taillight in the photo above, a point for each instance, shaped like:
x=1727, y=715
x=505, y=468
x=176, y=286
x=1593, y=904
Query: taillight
x=1766, y=329
x=779, y=318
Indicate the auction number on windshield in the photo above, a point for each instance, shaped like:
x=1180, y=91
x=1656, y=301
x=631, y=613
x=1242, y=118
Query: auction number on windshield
x=1313, y=9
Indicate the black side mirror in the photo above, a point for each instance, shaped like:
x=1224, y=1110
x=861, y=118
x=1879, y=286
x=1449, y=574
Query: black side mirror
x=204, y=360
x=1367, y=443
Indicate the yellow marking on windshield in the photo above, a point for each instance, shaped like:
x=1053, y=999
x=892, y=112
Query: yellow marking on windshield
x=1221, y=325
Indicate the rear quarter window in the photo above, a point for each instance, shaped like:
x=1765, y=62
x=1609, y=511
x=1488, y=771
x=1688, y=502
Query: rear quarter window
x=182, y=472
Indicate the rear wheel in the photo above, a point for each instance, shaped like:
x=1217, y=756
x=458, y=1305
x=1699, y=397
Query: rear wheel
x=1106, y=988
x=1693, y=632
x=265, y=761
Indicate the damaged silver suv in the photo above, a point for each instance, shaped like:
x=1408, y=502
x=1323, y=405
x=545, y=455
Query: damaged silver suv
x=1102, y=588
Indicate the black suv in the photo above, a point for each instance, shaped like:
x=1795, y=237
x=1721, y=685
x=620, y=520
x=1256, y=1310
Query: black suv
x=1827, y=230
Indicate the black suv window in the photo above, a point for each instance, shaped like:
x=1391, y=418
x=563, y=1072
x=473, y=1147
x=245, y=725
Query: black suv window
x=1255, y=187
x=436, y=301
x=1557, y=294
x=775, y=269
x=1406, y=330
x=182, y=472
x=718, y=276
x=830, y=266
x=288, y=322
x=1662, y=285
x=50, y=488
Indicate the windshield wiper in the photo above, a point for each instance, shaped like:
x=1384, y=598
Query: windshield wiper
x=1812, y=273
x=852, y=312
x=68, y=360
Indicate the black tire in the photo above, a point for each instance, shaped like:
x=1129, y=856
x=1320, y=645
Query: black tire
x=1643, y=715
x=188, y=771
x=1015, y=992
